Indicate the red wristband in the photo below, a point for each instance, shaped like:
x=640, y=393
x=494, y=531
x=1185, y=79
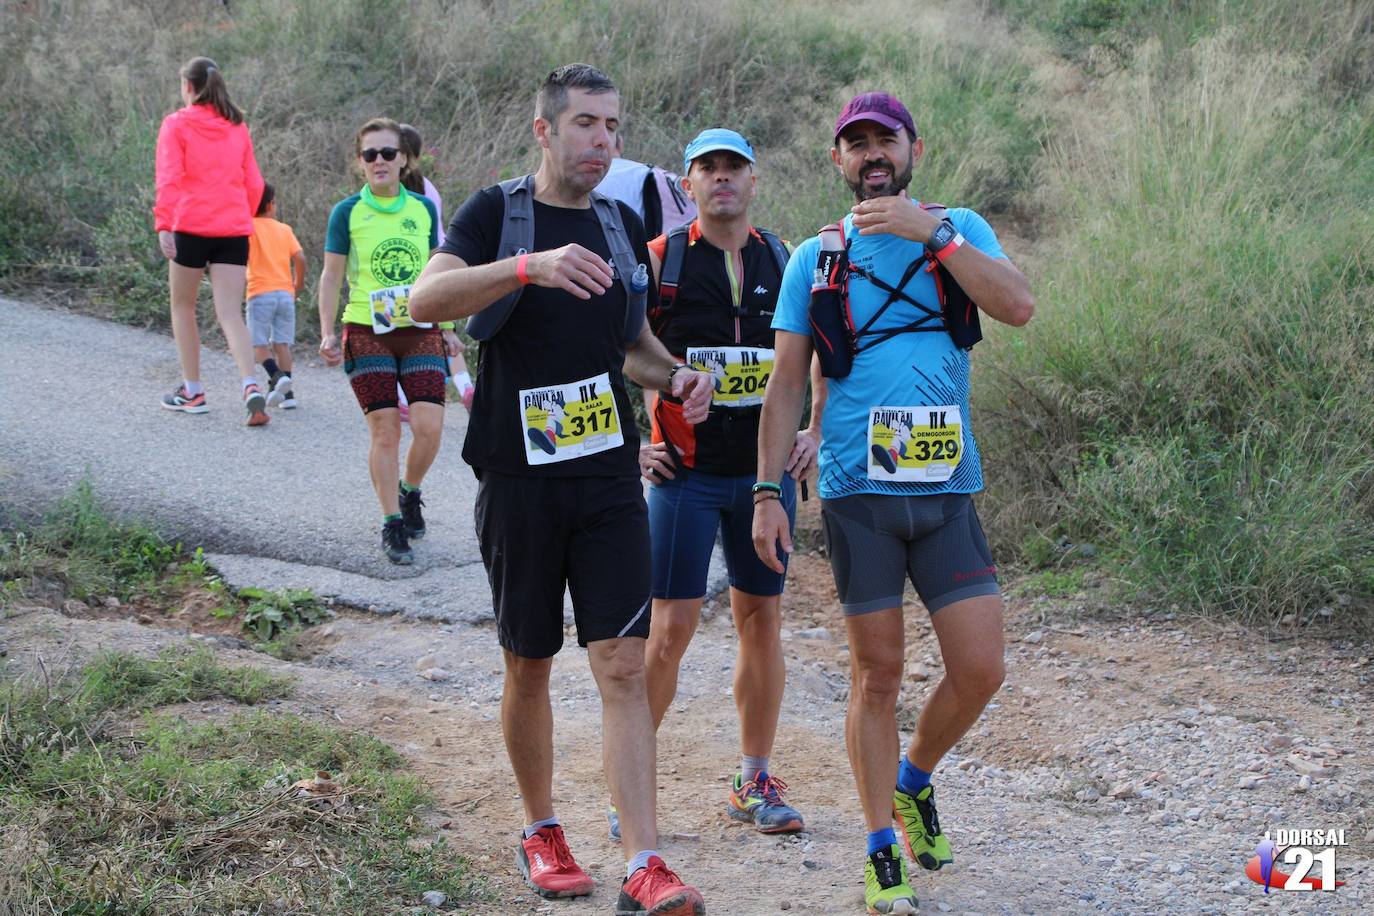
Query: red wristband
x=954, y=244
x=520, y=274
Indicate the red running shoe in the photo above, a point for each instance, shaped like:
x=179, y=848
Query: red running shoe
x=186, y=403
x=256, y=403
x=655, y=891
x=547, y=865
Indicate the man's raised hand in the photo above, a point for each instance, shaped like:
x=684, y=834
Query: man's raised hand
x=571, y=268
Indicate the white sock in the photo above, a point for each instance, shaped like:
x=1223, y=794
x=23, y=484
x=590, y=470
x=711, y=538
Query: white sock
x=401, y=397
x=640, y=860
x=532, y=829
x=193, y=388
x=750, y=766
x=248, y=380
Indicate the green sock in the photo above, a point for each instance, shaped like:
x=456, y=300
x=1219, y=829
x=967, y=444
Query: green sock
x=406, y=488
x=391, y=518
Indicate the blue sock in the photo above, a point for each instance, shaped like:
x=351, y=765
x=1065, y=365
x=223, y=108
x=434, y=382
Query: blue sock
x=882, y=840
x=911, y=779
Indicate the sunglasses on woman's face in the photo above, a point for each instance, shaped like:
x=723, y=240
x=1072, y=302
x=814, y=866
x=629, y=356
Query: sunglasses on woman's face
x=387, y=152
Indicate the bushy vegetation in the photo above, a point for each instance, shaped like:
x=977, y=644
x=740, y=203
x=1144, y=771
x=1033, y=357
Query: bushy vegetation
x=1196, y=393
x=1188, y=183
x=77, y=207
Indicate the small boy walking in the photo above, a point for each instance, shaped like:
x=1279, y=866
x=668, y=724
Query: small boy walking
x=276, y=276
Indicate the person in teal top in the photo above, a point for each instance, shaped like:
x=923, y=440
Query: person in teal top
x=898, y=465
x=378, y=241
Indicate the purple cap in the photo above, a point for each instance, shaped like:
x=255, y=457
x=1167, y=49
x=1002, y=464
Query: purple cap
x=875, y=106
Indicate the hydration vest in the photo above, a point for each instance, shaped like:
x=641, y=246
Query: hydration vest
x=836, y=339
x=675, y=253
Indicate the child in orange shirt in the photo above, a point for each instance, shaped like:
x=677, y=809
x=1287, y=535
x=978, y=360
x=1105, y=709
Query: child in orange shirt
x=276, y=276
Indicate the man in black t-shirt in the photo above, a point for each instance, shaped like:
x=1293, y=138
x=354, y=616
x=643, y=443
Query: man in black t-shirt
x=553, y=442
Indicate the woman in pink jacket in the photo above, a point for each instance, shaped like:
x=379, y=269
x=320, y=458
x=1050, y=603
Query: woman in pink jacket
x=208, y=186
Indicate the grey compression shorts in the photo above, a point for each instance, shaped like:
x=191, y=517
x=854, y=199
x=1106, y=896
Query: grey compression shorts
x=876, y=542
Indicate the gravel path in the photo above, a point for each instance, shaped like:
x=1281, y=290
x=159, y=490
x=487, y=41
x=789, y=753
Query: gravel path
x=1126, y=767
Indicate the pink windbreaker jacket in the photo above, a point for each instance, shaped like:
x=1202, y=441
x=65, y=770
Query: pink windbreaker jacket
x=208, y=181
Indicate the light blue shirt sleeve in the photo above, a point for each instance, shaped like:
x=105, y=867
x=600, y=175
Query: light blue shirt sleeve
x=977, y=231
x=794, y=298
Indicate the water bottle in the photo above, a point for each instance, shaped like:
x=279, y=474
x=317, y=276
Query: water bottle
x=832, y=248
x=831, y=332
x=639, y=283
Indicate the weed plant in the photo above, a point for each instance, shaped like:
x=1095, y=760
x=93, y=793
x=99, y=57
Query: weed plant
x=107, y=811
x=80, y=545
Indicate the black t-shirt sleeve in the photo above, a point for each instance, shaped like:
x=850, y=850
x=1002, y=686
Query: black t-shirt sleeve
x=639, y=243
x=474, y=234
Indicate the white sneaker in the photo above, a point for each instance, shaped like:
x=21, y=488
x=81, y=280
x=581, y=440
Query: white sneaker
x=281, y=392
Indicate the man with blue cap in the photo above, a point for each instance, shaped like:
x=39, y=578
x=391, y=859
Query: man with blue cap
x=718, y=279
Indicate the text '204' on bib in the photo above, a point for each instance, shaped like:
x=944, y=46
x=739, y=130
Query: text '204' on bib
x=740, y=373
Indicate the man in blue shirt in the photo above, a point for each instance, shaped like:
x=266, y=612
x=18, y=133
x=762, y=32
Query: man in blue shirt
x=898, y=465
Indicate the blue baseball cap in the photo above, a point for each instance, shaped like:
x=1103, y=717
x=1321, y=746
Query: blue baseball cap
x=713, y=139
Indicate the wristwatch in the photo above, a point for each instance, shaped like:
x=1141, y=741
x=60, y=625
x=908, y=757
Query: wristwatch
x=674, y=371
x=944, y=240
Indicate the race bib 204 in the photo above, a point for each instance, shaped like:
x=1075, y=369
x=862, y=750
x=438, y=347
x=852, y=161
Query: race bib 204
x=391, y=310
x=740, y=373
x=922, y=444
x=562, y=422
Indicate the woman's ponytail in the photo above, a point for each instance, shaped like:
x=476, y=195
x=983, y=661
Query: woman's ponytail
x=208, y=88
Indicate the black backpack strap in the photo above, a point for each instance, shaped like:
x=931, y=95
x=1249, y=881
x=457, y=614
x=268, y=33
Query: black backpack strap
x=653, y=206
x=670, y=271
x=517, y=236
x=778, y=249
x=623, y=257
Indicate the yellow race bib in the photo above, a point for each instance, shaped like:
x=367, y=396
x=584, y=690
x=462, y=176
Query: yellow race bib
x=562, y=422
x=391, y=310
x=740, y=373
x=921, y=444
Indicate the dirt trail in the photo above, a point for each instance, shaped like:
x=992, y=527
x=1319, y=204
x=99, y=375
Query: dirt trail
x=1201, y=731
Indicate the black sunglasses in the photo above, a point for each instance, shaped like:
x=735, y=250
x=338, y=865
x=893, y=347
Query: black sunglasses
x=387, y=152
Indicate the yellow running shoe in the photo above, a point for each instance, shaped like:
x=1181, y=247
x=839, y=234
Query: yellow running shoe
x=885, y=888
x=918, y=825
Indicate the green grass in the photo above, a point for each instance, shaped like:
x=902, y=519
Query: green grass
x=1055, y=583
x=78, y=550
x=79, y=544
x=159, y=814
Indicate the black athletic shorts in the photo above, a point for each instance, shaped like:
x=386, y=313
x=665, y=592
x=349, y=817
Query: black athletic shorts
x=540, y=534
x=876, y=542
x=199, y=250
